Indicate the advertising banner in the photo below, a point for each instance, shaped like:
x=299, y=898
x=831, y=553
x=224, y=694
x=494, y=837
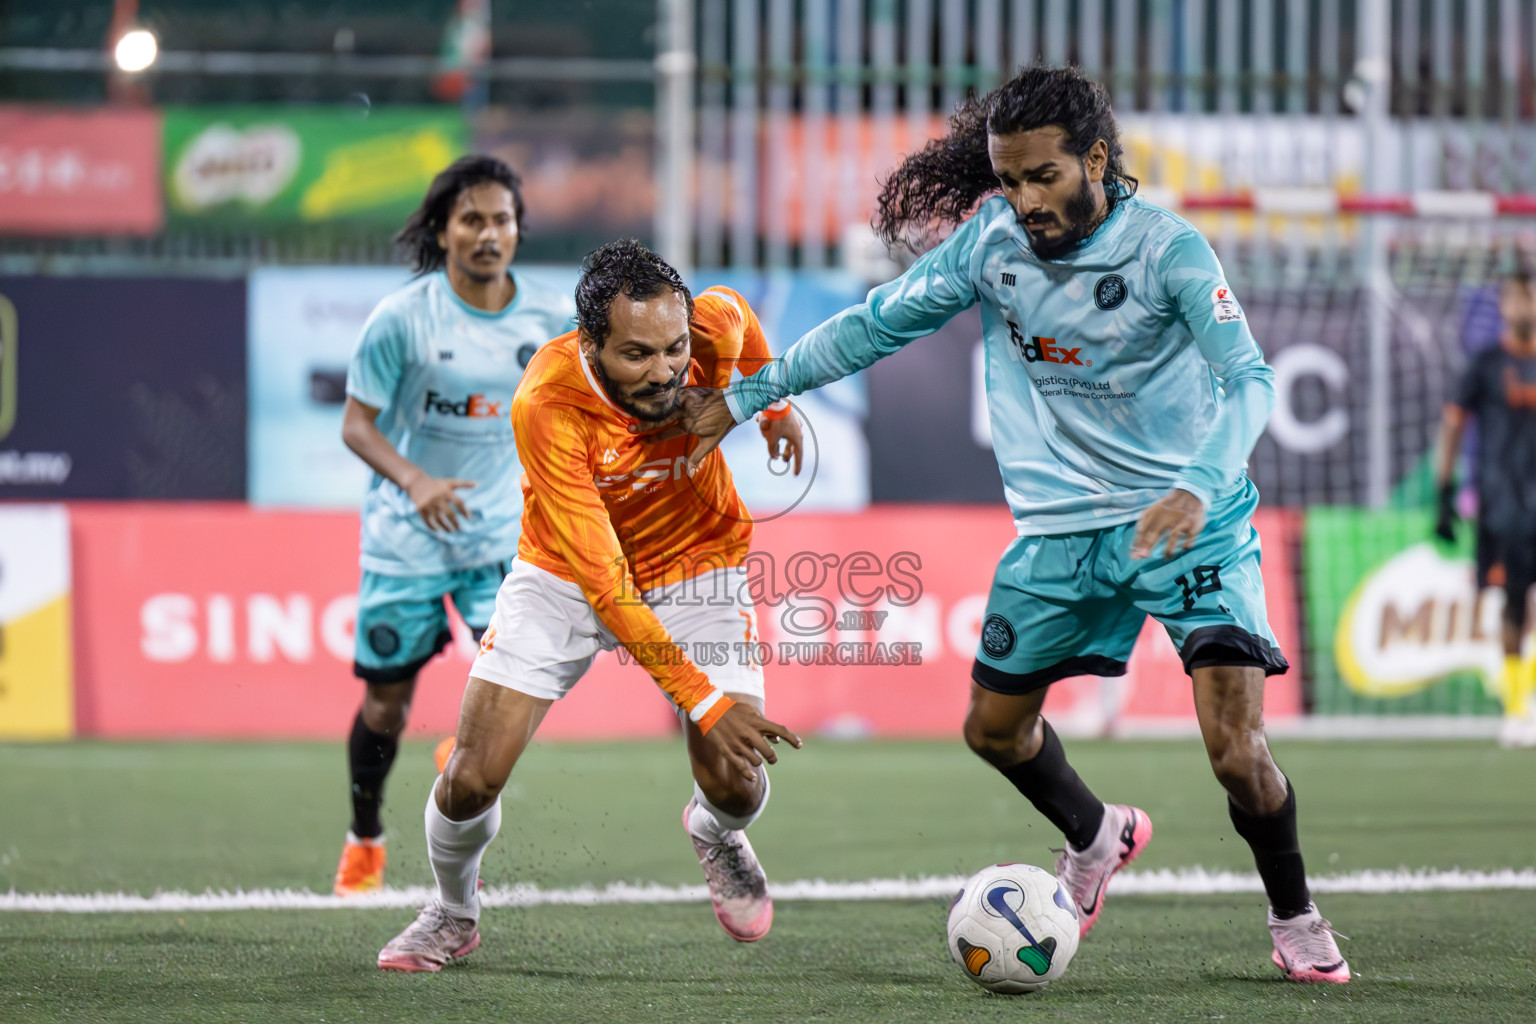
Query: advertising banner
x=280, y=164
x=929, y=438
x=224, y=621
x=122, y=388
x=80, y=172
x=1398, y=623
x=588, y=174
x=305, y=322
x=36, y=680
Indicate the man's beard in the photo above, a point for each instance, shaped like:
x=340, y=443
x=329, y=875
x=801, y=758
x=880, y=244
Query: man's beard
x=615, y=394
x=1078, y=226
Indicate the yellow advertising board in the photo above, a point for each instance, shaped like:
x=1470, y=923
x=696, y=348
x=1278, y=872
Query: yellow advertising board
x=36, y=663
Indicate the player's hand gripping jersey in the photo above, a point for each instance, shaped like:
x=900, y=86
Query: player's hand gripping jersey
x=443, y=373
x=616, y=512
x=1105, y=369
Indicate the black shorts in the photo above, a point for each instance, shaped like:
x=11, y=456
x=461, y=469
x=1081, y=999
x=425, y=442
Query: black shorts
x=1508, y=559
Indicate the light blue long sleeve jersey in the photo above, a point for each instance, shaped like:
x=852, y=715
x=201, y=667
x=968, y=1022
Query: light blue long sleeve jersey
x=1114, y=374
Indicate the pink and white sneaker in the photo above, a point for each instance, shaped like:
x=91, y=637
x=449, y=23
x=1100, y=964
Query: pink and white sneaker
x=430, y=941
x=738, y=888
x=1305, y=950
x=1123, y=834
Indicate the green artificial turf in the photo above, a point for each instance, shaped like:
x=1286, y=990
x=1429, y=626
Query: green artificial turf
x=90, y=817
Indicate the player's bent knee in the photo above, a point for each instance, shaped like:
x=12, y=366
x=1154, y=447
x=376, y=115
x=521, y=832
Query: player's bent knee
x=738, y=800
x=730, y=791
x=387, y=708
x=466, y=790
x=1241, y=762
x=738, y=804
x=999, y=741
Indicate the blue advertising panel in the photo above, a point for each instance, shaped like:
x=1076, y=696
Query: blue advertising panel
x=304, y=323
x=835, y=475
x=122, y=388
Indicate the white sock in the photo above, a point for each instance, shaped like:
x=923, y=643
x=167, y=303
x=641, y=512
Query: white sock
x=1107, y=837
x=712, y=823
x=455, y=849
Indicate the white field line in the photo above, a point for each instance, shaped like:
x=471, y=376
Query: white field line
x=1186, y=881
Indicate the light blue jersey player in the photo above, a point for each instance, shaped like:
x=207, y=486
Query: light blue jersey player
x=1126, y=393
x=429, y=397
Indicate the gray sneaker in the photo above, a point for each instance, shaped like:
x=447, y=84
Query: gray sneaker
x=738, y=888
x=434, y=938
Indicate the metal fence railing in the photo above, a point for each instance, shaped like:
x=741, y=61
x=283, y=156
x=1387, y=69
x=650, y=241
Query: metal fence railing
x=804, y=104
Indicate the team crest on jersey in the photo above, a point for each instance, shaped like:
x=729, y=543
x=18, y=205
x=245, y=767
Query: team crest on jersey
x=526, y=353
x=1110, y=292
x=997, y=637
x=384, y=640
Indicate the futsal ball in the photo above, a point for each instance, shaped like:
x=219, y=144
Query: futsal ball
x=1013, y=928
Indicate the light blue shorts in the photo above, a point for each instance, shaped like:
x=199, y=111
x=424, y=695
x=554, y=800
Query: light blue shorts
x=1074, y=604
x=402, y=624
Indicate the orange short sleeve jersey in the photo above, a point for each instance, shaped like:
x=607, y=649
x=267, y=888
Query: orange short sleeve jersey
x=616, y=512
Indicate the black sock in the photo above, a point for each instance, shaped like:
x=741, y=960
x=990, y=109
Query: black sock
x=370, y=754
x=1049, y=783
x=1276, y=854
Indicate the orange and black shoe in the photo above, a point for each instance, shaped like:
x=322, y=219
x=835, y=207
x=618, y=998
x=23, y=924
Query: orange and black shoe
x=362, y=867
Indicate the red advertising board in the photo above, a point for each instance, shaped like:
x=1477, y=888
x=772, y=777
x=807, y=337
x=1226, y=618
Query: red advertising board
x=218, y=620
x=87, y=172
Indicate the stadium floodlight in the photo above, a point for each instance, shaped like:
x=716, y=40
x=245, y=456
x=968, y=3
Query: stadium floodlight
x=136, y=50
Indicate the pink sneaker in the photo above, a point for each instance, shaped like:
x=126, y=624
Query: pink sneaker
x=433, y=939
x=1124, y=833
x=738, y=888
x=1305, y=950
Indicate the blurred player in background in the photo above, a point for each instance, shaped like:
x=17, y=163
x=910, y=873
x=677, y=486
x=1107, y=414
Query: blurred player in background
x=620, y=545
x=429, y=390
x=1499, y=388
x=1126, y=393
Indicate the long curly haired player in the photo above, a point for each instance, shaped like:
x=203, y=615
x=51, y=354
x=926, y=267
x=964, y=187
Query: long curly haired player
x=620, y=544
x=1125, y=393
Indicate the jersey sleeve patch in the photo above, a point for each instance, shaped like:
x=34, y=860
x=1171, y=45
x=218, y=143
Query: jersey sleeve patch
x=1224, y=305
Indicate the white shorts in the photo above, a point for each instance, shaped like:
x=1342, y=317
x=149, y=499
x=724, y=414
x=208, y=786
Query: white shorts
x=543, y=634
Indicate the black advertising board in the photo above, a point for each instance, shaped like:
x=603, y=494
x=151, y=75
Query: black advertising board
x=923, y=441
x=122, y=388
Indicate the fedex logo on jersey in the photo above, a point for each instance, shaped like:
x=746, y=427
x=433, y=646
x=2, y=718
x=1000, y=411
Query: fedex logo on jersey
x=1039, y=349
x=475, y=407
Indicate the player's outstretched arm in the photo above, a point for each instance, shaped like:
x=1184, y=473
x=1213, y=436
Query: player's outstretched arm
x=435, y=498
x=747, y=739
x=935, y=288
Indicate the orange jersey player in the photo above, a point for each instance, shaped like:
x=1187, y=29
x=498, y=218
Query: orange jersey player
x=619, y=541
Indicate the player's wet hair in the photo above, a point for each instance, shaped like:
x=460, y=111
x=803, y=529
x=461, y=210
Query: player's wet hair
x=942, y=183
x=419, y=236
x=627, y=268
